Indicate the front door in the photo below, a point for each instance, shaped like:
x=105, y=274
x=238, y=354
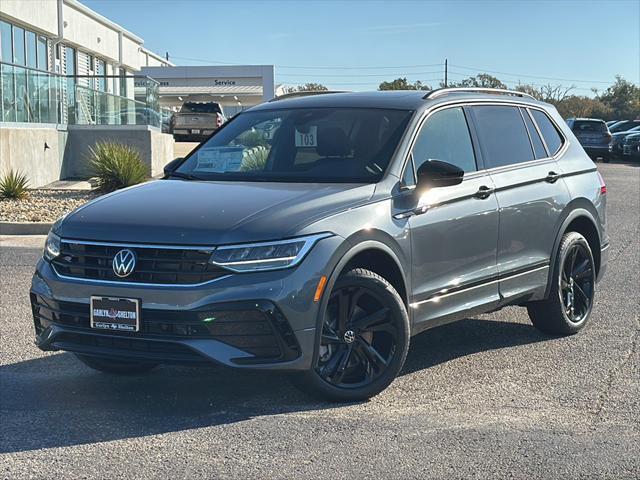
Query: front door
x=454, y=230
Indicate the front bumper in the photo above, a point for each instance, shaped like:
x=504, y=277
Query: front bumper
x=269, y=318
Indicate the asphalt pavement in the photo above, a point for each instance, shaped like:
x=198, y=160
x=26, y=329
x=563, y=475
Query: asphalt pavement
x=487, y=397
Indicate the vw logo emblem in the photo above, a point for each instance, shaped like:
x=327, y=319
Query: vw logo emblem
x=349, y=336
x=124, y=262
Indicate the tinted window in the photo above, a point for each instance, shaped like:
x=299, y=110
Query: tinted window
x=42, y=53
x=6, y=54
x=445, y=136
x=200, y=108
x=314, y=145
x=503, y=135
x=550, y=134
x=18, y=46
x=536, y=141
x=31, y=50
x=624, y=125
x=589, y=126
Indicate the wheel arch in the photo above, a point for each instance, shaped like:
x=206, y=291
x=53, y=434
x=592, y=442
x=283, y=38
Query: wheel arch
x=361, y=246
x=581, y=216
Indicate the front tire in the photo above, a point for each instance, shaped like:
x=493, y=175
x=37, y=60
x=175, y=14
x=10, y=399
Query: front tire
x=116, y=367
x=363, y=341
x=570, y=301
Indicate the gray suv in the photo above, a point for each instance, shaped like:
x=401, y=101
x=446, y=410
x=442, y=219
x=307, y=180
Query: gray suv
x=317, y=235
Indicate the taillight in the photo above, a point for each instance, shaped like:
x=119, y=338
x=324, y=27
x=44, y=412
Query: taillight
x=603, y=186
x=609, y=137
x=218, y=120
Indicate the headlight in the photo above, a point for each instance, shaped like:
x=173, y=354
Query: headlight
x=253, y=257
x=52, y=246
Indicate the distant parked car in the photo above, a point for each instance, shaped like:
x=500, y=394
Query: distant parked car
x=197, y=120
x=631, y=146
x=624, y=125
x=593, y=135
x=617, y=140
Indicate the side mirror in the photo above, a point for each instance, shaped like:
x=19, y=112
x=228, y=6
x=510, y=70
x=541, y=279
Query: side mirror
x=436, y=173
x=170, y=167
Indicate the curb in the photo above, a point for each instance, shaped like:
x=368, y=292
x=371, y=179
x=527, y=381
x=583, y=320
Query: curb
x=24, y=228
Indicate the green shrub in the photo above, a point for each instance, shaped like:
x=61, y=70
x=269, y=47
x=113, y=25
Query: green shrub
x=14, y=184
x=254, y=159
x=116, y=166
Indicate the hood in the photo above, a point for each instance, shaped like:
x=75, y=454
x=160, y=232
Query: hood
x=208, y=213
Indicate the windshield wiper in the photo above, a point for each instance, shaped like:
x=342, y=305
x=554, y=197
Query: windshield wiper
x=186, y=176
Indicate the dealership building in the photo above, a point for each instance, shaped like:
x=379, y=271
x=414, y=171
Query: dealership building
x=71, y=77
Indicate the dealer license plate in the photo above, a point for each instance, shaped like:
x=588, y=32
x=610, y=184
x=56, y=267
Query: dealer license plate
x=109, y=313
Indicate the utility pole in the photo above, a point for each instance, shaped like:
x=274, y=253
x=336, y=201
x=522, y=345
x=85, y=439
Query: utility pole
x=445, y=73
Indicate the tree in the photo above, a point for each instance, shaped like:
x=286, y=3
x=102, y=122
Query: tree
x=403, y=84
x=307, y=87
x=482, y=80
x=623, y=98
x=553, y=94
x=581, y=106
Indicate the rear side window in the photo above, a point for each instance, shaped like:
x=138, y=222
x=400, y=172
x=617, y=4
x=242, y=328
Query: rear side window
x=550, y=133
x=536, y=141
x=503, y=135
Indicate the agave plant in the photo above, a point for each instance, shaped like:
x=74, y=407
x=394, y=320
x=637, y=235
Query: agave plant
x=116, y=166
x=254, y=159
x=14, y=184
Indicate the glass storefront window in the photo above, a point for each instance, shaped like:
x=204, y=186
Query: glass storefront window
x=8, y=94
x=42, y=53
x=32, y=60
x=101, y=72
x=18, y=46
x=6, y=43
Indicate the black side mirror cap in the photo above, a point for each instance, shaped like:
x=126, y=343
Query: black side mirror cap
x=171, y=167
x=436, y=173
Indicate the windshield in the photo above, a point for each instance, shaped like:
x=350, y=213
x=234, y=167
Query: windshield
x=315, y=145
x=589, y=126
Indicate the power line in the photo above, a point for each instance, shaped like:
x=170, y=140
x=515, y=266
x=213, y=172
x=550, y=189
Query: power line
x=529, y=76
x=318, y=67
x=324, y=75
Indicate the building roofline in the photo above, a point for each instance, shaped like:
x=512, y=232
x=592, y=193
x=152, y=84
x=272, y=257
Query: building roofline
x=75, y=4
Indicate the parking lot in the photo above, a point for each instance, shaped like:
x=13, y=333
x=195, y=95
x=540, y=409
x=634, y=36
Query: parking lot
x=485, y=397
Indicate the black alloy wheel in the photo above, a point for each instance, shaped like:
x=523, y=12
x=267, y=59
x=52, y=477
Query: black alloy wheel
x=363, y=341
x=577, y=282
x=568, y=306
x=359, y=338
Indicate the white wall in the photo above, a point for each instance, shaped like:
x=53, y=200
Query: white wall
x=42, y=15
x=89, y=34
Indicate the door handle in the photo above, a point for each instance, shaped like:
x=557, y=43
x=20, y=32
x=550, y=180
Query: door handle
x=484, y=192
x=552, y=177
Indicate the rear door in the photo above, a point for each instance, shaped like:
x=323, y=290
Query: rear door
x=454, y=230
x=530, y=194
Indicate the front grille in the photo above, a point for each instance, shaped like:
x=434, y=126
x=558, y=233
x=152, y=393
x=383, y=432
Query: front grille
x=262, y=331
x=177, y=266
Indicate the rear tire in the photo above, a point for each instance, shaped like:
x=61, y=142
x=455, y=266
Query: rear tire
x=570, y=300
x=116, y=367
x=363, y=343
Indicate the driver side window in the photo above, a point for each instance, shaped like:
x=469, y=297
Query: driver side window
x=445, y=136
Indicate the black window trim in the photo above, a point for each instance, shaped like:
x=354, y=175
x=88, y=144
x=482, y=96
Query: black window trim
x=562, y=137
x=523, y=112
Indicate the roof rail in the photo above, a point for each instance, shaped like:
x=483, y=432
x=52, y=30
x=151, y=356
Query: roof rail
x=305, y=93
x=496, y=91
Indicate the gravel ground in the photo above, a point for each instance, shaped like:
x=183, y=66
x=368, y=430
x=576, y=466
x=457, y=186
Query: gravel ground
x=487, y=397
x=43, y=205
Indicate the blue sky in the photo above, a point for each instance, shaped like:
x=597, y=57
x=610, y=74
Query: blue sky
x=354, y=45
